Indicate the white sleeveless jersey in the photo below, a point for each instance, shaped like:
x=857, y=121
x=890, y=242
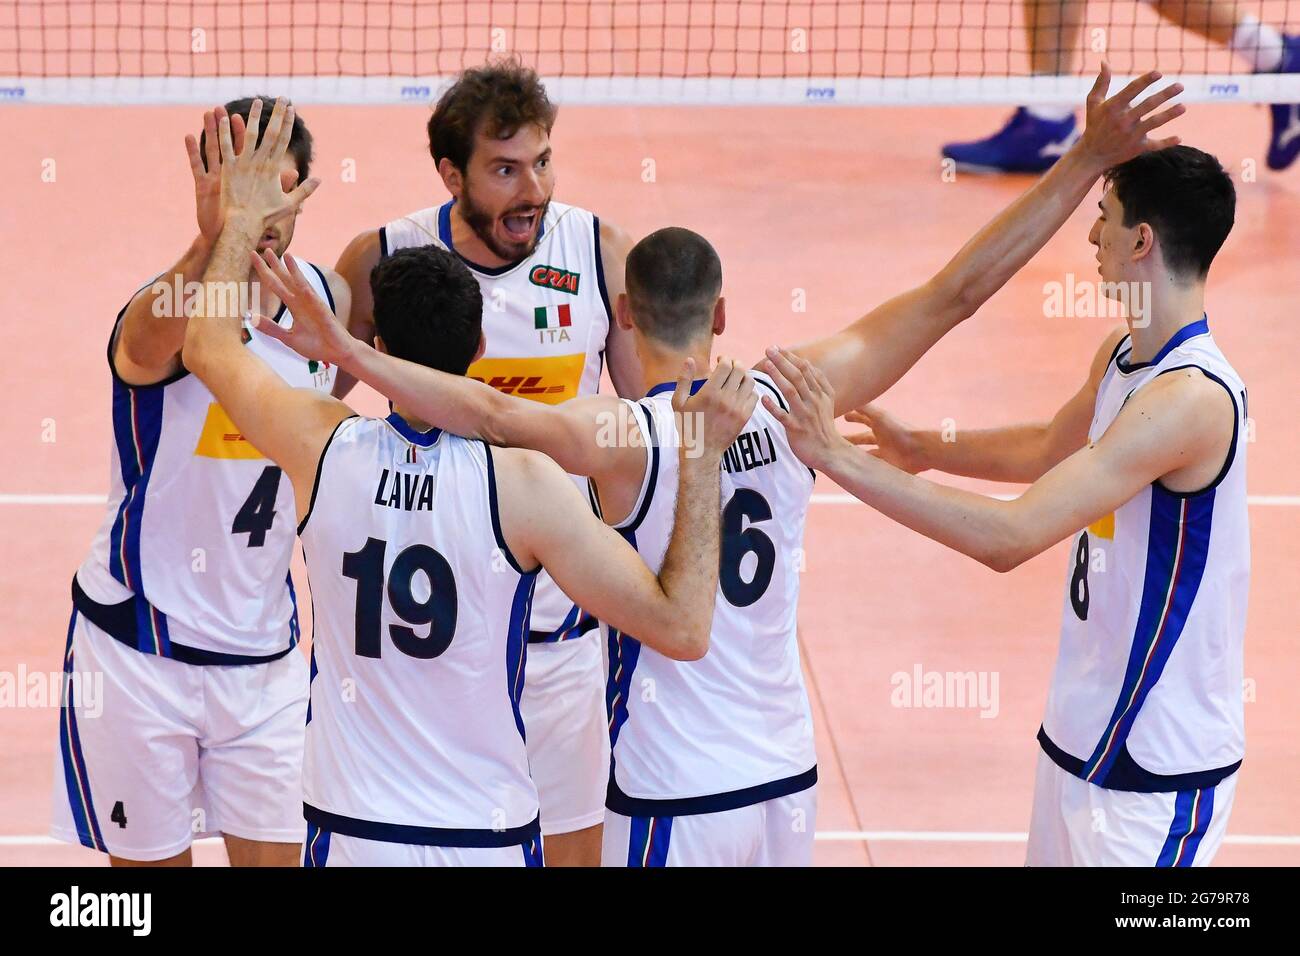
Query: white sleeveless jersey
x=733, y=728
x=546, y=319
x=192, y=558
x=420, y=623
x=1147, y=692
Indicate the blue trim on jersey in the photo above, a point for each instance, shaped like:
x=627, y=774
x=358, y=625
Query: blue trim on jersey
x=1200, y=327
x=75, y=777
x=586, y=624
x=311, y=679
x=600, y=273
x=623, y=653
x=329, y=295
x=1125, y=774
x=1177, y=546
x=1193, y=810
x=652, y=482
x=316, y=848
x=137, y=429
x=561, y=633
x=121, y=622
x=444, y=224
x=620, y=802
x=383, y=242
x=496, y=514
x=647, y=841
x=533, y=852
x=444, y=236
x=295, y=629
x=420, y=836
x=670, y=386
x=1237, y=416
x=403, y=428
x=521, y=608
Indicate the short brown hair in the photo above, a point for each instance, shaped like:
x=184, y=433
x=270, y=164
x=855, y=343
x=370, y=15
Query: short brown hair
x=500, y=98
x=673, y=278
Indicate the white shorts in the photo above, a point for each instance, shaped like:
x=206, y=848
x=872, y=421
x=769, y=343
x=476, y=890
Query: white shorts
x=154, y=753
x=777, y=832
x=563, y=707
x=325, y=848
x=1076, y=823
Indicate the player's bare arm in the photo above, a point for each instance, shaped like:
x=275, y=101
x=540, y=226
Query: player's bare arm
x=354, y=266
x=864, y=359
x=289, y=425
x=1019, y=453
x=546, y=521
x=1176, y=430
x=620, y=351
x=148, y=344
x=587, y=436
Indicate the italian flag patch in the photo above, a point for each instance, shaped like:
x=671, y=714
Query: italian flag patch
x=551, y=317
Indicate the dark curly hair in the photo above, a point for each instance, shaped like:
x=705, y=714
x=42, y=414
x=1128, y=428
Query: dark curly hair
x=428, y=308
x=499, y=98
x=1186, y=197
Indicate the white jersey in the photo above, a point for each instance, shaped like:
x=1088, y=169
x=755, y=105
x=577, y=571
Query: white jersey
x=546, y=319
x=1147, y=692
x=420, y=622
x=192, y=558
x=733, y=728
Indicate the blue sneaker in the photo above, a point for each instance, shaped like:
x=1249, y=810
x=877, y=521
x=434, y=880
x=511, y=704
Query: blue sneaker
x=1284, y=141
x=1026, y=144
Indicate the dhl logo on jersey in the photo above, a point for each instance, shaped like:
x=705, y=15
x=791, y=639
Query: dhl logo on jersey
x=552, y=379
x=1103, y=527
x=221, y=439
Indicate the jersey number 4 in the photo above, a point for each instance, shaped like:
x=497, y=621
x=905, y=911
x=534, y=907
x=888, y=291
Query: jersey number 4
x=438, y=610
x=256, y=514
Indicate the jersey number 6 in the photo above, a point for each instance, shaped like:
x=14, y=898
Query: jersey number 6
x=738, y=541
x=438, y=610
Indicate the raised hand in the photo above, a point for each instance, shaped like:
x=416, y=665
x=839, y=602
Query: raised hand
x=810, y=423
x=315, y=334
x=250, y=177
x=1117, y=127
x=711, y=419
x=886, y=438
x=207, y=181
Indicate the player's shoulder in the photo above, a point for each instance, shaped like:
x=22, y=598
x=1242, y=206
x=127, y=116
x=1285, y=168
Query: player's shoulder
x=1107, y=352
x=523, y=465
x=1183, y=401
x=764, y=385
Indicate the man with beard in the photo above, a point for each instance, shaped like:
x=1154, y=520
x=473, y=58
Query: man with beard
x=548, y=272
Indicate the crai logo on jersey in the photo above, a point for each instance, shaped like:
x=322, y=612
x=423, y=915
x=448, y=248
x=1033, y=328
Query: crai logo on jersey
x=221, y=439
x=550, y=277
x=552, y=323
x=552, y=379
